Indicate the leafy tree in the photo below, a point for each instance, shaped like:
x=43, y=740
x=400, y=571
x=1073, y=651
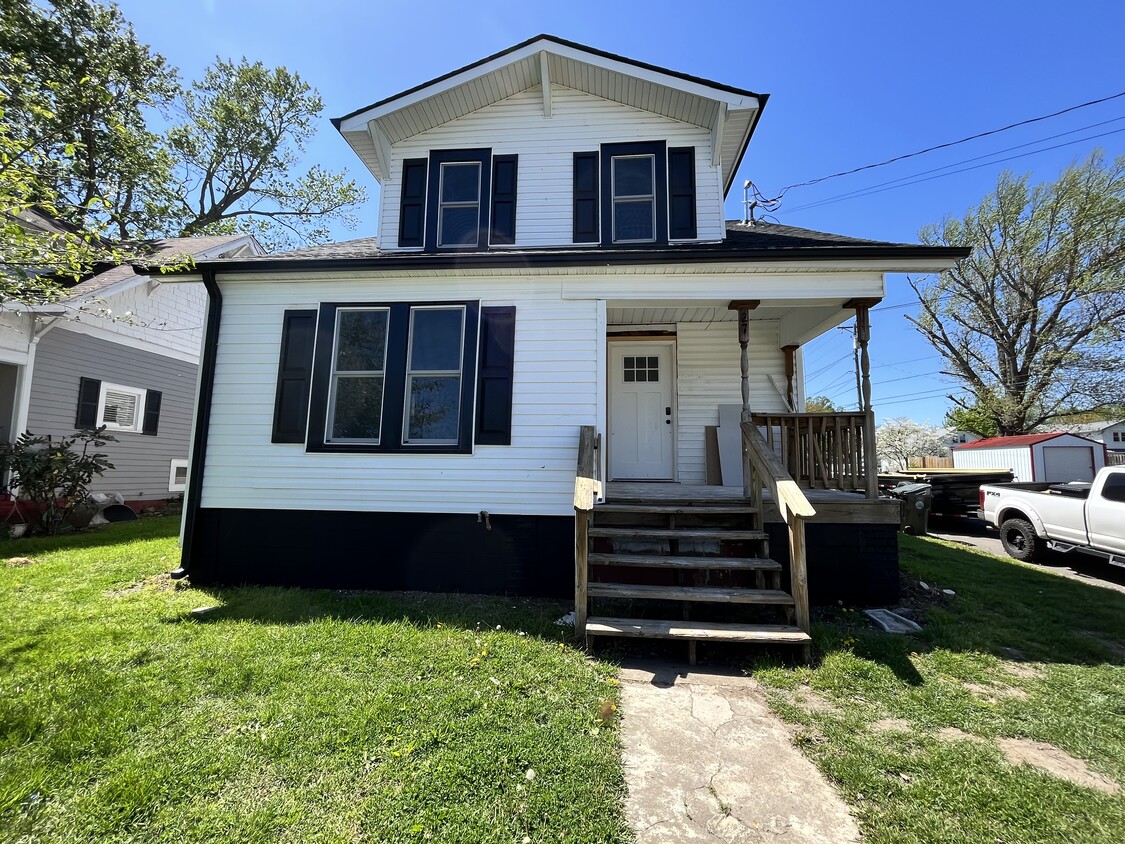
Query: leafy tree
x=898, y=441
x=85, y=106
x=1032, y=322
x=235, y=152
x=821, y=404
x=973, y=420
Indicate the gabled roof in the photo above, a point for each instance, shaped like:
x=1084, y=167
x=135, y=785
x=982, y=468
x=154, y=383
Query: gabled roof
x=729, y=113
x=1016, y=441
x=759, y=242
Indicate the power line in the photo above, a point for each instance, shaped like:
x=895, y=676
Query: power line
x=962, y=161
x=952, y=143
x=858, y=194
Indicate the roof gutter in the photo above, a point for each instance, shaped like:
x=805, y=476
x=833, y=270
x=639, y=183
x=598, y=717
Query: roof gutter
x=202, y=420
x=498, y=260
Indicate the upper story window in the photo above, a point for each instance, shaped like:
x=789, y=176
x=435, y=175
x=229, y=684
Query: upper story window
x=458, y=199
x=459, y=205
x=634, y=198
x=634, y=193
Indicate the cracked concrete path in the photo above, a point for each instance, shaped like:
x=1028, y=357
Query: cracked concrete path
x=705, y=760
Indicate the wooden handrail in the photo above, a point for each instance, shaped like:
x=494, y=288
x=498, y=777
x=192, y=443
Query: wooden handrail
x=587, y=486
x=587, y=482
x=762, y=467
x=824, y=450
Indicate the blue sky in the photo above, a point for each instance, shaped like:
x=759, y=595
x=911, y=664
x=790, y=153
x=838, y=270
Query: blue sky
x=850, y=84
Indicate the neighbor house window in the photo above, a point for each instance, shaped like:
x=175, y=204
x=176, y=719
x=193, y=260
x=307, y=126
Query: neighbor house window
x=121, y=408
x=177, y=475
x=358, y=375
x=634, y=198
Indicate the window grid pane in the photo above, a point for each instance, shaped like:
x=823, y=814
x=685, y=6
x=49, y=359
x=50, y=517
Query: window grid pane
x=645, y=369
x=433, y=377
x=459, y=204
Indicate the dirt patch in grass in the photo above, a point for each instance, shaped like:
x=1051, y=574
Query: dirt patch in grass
x=993, y=693
x=955, y=734
x=1056, y=762
x=1023, y=671
x=157, y=583
x=892, y=725
x=18, y=561
x=805, y=698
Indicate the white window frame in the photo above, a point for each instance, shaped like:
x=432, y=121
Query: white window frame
x=441, y=205
x=173, y=467
x=334, y=379
x=138, y=416
x=433, y=373
x=631, y=198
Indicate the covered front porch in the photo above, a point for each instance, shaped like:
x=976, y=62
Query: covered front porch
x=665, y=531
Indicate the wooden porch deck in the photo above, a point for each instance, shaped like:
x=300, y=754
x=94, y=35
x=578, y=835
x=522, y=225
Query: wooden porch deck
x=830, y=505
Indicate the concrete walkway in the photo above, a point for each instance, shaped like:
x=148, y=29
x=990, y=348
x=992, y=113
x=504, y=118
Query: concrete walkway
x=705, y=760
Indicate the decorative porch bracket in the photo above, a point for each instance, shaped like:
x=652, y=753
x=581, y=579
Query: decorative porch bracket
x=744, y=307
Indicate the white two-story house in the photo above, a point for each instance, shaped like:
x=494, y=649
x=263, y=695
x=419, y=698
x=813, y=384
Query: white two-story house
x=551, y=263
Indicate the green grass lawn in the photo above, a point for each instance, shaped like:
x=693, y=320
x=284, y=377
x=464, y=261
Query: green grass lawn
x=286, y=715
x=913, y=729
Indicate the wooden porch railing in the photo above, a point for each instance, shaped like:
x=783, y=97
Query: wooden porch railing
x=761, y=468
x=824, y=450
x=587, y=486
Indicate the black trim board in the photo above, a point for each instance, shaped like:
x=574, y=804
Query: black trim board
x=433, y=552
x=584, y=257
x=202, y=417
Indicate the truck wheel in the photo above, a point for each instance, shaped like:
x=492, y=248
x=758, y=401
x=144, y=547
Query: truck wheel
x=1020, y=540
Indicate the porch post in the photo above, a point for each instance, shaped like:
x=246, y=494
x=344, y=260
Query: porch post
x=790, y=377
x=744, y=307
x=863, y=337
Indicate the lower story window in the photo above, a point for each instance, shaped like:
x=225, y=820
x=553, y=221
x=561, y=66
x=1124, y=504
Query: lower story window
x=394, y=377
x=177, y=475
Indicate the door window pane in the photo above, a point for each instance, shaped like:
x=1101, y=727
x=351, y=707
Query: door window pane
x=642, y=369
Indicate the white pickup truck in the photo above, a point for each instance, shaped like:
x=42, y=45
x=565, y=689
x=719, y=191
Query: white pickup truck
x=1082, y=517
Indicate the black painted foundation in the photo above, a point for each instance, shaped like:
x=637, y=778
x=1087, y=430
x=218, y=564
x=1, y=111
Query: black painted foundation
x=853, y=563
x=521, y=555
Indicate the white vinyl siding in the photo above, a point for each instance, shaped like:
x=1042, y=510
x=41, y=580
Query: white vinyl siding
x=580, y=122
x=555, y=378
x=710, y=373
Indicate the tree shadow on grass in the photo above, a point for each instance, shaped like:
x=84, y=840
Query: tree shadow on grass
x=1012, y=611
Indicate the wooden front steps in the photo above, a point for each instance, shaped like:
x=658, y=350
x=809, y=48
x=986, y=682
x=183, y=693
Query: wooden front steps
x=696, y=631
x=647, y=562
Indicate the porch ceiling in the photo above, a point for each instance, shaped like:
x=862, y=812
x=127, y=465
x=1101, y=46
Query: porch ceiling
x=798, y=321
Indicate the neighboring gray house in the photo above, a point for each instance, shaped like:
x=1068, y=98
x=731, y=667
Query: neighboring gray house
x=122, y=349
x=1110, y=434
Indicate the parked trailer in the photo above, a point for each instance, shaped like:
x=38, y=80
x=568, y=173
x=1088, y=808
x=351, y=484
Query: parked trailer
x=956, y=491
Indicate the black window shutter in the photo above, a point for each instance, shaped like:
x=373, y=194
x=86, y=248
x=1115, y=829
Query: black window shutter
x=503, y=199
x=294, y=376
x=681, y=193
x=152, y=412
x=586, y=197
x=412, y=203
x=494, y=378
x=89, y=391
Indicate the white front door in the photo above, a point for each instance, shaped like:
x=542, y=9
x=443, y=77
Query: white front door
x=641, y=426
